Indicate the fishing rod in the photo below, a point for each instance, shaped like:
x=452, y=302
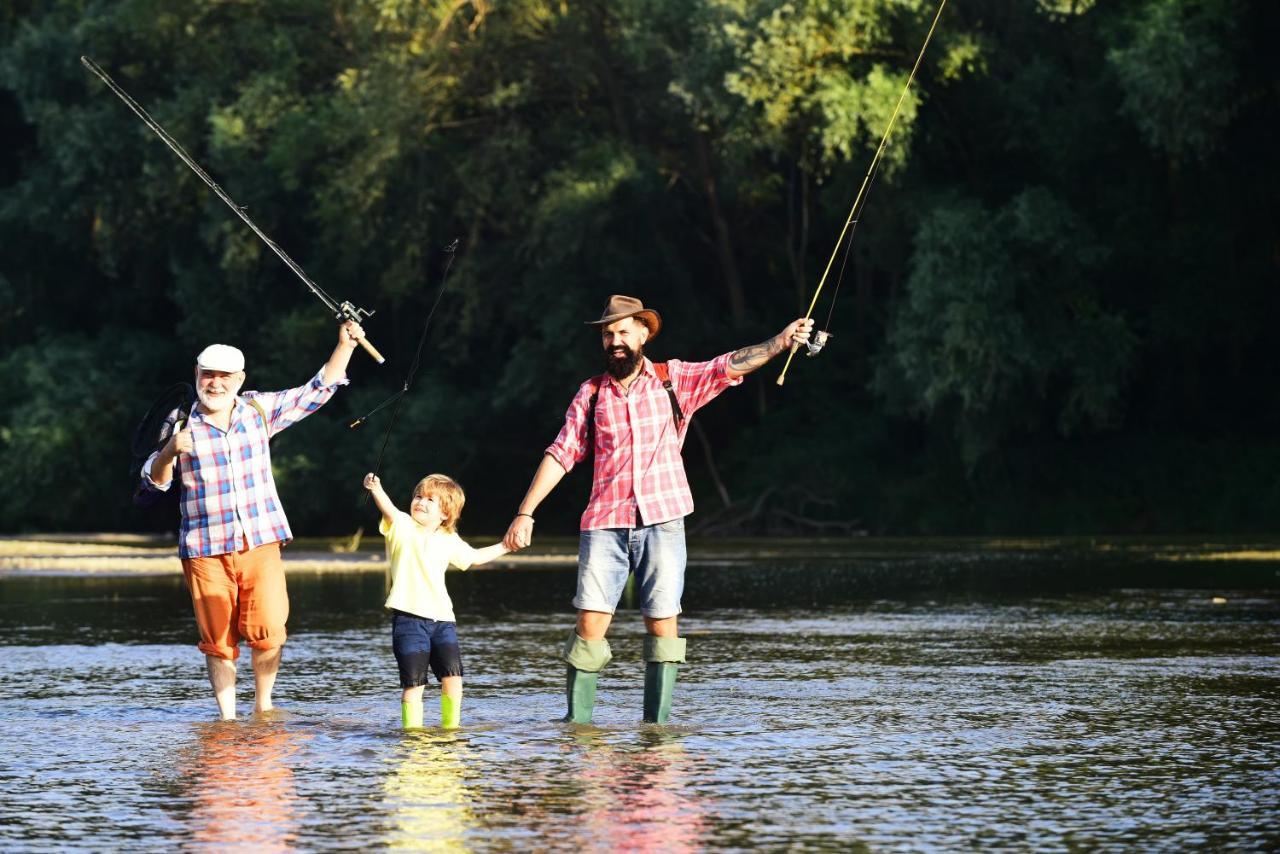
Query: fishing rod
x=398, y=397
x=855, y=213
x=341, y=310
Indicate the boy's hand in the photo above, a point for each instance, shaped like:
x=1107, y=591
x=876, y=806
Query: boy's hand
x=371, y=482
x=519, y=533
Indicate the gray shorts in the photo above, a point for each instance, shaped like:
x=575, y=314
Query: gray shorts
x=655, y=553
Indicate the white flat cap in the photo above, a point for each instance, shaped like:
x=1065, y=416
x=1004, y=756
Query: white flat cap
x=220, y=357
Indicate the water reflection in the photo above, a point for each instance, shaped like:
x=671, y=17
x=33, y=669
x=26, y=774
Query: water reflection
x=1132, y=720
x=641, y=799
x=239, y=785
x=428, y=801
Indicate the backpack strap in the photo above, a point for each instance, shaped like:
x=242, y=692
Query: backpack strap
x=664, y=374
x=253, y=401
x=596, y=382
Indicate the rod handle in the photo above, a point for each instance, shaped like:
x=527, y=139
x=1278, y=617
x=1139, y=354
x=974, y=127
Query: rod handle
x=782, y=377
x=372, y=350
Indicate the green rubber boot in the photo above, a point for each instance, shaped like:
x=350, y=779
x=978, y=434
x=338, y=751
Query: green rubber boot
x=580, y=690
x=411, y=715
x=450, y=712
x=585, y=660
x=661, y=657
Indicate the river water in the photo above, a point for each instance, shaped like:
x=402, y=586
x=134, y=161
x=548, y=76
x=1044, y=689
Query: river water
x=1124, y=718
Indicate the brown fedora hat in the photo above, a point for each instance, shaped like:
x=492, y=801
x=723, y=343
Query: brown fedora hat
x=620, y=306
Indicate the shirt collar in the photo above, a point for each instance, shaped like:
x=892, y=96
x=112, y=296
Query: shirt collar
x=236, y=412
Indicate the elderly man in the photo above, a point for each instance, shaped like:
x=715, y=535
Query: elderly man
x=233, y=525
x=634, y=419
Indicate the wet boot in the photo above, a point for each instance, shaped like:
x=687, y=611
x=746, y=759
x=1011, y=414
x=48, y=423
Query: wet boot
x=411, y=715
x=661, y=657
x=580, y=690
x=450, y=712
x=585, y=660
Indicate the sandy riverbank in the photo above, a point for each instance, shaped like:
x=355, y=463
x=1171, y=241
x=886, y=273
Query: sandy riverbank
x=125, y=554
x=145, y=554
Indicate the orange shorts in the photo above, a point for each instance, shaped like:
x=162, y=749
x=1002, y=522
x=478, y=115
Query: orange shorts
x=238, y=596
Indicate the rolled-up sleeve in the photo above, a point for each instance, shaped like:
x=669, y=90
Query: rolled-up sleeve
x=288, y=407
x=570, y=447
x=698, y=383
x=146, y=475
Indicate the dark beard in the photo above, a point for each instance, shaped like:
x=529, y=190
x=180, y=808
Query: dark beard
x=622, y=365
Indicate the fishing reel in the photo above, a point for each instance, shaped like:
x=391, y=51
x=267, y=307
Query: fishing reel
x=815, y=344
x=347, y=311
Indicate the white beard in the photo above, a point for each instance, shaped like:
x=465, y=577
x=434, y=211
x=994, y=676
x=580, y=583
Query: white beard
x=217, y=403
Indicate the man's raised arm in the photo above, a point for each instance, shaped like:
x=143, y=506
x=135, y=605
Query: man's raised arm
x=748, y=359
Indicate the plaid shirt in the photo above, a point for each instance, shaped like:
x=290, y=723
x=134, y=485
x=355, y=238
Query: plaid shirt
x=639, y=474
x=228, y=496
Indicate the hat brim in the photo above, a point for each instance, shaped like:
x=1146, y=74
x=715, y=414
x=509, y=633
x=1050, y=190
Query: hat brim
x=647, y=316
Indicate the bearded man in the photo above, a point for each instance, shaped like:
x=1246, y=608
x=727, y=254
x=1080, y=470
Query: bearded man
x=634, y=419
x=233, y=525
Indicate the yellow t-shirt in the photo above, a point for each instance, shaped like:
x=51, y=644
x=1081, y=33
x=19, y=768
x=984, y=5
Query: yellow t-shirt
x=417, y=561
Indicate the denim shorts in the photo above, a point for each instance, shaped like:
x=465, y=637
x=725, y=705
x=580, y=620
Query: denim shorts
x=655, y=553
x=420, y=644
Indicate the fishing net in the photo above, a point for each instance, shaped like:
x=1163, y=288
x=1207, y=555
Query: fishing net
x=156, y=426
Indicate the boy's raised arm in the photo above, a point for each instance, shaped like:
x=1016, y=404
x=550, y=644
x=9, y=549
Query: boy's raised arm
x=374, y=484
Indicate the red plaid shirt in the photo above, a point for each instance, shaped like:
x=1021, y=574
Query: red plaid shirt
x=229, y=497
x=639, y=474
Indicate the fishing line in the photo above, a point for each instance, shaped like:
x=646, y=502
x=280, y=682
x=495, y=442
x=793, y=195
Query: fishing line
x=859, y=202
x=398, y=397
x=341, y=310
x=844, y=261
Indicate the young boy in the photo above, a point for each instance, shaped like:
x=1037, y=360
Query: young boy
x=421, y=545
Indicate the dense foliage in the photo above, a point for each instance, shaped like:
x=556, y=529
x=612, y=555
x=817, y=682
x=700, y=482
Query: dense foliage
x=1054, y=318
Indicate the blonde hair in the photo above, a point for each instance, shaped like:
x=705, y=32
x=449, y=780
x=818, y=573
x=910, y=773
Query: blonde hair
x=448, y=494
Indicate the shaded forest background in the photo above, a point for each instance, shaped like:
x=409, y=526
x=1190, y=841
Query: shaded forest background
x=1058, y=314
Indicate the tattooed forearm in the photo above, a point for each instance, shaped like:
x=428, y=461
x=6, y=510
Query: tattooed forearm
x=748, y=359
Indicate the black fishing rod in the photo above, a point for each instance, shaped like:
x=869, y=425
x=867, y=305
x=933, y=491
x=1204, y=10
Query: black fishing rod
x=341, y=310
x=398, y=397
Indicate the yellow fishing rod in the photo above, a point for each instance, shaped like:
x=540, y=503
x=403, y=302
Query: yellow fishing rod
x=851, y=224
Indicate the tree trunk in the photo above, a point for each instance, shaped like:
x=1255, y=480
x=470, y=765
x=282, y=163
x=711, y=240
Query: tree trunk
x=721, y=235
x=798, y=232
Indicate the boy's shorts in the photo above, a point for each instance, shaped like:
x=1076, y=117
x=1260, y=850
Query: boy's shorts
x=420, y=644
x=655, y=553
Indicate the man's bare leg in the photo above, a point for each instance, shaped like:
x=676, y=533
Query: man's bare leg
x=586, y=654
x=592, y=625
x=661, y=628
x=266, y=663
x=222, y=677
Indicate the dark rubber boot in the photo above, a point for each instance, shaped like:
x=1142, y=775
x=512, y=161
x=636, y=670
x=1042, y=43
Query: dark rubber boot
x=661, y=656
x=659, y=683
x=580, y=690
x=585, y=659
